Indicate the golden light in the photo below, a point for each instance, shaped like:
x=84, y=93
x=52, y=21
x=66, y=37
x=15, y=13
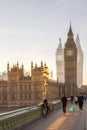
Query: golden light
x=56, y=125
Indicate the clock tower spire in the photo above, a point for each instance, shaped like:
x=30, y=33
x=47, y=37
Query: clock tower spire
x=70, y=35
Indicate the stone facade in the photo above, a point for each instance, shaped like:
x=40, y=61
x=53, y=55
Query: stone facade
x=22, y=91
x=83, y=89
x=3, y=93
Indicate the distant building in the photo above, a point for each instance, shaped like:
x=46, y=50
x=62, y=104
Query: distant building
x=60, y=62
x=83, y=89
x=3, y=75
x=79, y=63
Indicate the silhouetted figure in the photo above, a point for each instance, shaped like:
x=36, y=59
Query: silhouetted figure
x=80, y=101
x=76, y=100
x=85, y=97
x=72, y=98
x=45, y=107
x=64, y=103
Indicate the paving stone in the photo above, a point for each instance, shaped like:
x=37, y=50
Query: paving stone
x=59, y=121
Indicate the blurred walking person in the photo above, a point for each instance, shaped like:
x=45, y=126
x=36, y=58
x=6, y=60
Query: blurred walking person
x=76, y=100
x=81, y=101
x=64, y=103
x=85, y=97
x=72, y=98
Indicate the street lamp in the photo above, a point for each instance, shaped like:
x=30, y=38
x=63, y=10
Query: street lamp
x=59, y=90
x=45, y=76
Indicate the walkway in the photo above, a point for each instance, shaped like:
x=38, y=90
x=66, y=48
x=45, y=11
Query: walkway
x=59, y=121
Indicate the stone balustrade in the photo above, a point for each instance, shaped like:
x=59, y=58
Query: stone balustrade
x=17, y=118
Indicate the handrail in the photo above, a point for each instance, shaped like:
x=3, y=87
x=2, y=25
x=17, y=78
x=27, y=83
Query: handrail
x=16, y=112
x=14, y=119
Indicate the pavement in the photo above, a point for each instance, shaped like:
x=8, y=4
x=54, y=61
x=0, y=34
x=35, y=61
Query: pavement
x=57, y=120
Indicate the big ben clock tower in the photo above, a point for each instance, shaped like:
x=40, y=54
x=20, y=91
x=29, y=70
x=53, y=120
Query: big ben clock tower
x=70, y=61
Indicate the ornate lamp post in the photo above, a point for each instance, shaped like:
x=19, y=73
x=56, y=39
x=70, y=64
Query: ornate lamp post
x=59, y=90
x=45, y=76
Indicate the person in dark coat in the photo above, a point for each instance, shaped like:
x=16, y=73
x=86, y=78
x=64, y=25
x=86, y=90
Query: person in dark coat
x=45, y=106
x=72, y=98
x=64, y=103
x=80, y=101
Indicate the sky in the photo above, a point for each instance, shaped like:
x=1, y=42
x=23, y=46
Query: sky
x=30, y=31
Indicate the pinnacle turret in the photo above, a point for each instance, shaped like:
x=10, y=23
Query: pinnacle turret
x=78, y=42
x=60, y=45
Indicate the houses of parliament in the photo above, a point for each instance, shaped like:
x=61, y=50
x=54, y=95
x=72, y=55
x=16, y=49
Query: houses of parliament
x=20, y=90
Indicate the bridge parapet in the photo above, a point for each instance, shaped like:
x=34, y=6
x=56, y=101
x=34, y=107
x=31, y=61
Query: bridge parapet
x=14, y=119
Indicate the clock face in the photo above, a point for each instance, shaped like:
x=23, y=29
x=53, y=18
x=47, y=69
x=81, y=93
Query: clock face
x=60, y=57
x=69, y=52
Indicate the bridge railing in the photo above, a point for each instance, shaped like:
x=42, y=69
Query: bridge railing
x=17, y=118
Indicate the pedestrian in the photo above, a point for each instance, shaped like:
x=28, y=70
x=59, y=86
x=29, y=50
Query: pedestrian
x=80, y=101
x=76, y=100
x=72, y=98
x=85, y=97
x=64, y=103
x=45, y=107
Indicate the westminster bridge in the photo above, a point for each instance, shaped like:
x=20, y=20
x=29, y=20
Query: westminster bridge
x=30, y=118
